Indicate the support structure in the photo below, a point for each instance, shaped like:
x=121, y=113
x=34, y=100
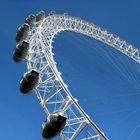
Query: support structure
x=52, y=92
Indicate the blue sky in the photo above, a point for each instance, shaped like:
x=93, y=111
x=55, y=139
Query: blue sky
x=105, y=82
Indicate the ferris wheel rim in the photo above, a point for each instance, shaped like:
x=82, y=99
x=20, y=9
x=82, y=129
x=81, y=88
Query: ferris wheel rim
x=41, y=26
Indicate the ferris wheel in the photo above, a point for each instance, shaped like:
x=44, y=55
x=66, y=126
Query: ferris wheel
x=64, y=116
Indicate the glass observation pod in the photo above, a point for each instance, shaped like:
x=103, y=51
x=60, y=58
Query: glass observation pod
x=30, y=81
x=55, y=124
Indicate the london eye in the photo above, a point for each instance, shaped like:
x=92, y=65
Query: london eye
x=64, y=116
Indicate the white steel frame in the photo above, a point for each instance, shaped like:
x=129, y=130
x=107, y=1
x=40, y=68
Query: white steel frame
x=52, y=93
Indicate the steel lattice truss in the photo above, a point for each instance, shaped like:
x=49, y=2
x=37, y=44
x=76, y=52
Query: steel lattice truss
x=52, y=92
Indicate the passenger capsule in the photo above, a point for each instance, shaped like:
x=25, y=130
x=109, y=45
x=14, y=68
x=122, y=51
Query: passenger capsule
x=21, y=51
x=52, y=13
x=30, y=20
x=29, y=82
x=22, y=32
x=54, y=126
x=40, y=16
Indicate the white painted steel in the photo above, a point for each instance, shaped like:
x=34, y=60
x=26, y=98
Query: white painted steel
x=52, y=92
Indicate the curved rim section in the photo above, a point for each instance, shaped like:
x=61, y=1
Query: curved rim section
x=69, y=23
x=41, y=58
